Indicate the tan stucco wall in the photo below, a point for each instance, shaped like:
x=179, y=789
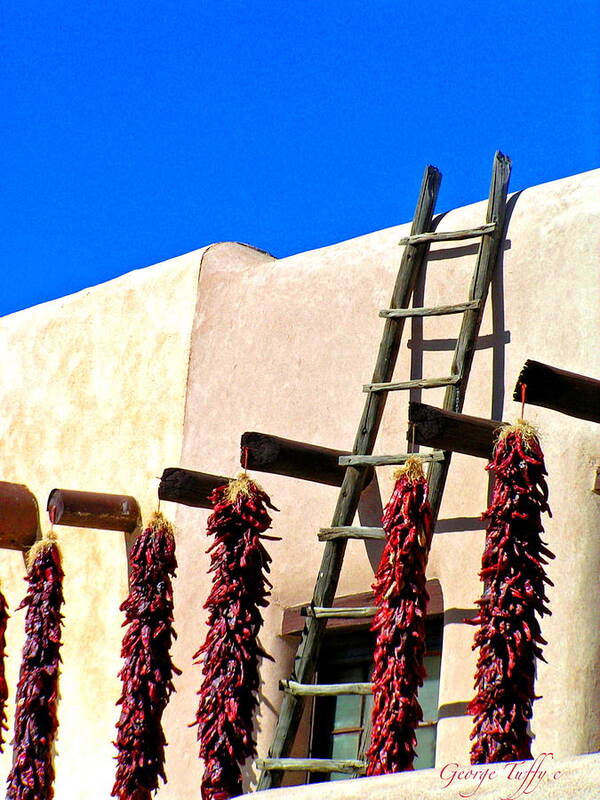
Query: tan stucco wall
x=96, y=397
x=92, y=398
x=546, y=778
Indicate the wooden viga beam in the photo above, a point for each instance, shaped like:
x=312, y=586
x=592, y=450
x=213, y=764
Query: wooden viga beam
x=446, y=430
x=19, y=516
x=309, y=462
x=567, y=392
x=109, y=512
x=188, y=487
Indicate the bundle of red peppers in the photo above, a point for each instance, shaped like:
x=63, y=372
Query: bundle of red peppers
x=231, y=652
x=148, y=670
x=401, y=599
x=514, y=578
x=32, y=773
x=3, y=685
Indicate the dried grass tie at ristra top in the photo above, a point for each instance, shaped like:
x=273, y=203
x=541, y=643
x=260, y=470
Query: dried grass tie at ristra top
x=148, y=670
x=231, y=652
x=401, y=599
x=527, y=432
x=36, y=722
x=509, y=636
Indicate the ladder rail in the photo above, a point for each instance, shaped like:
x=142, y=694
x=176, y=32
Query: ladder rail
x=487, y=259
x=412, y=261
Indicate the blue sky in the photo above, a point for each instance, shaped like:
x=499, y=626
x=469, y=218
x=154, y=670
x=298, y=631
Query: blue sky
x=134, y=132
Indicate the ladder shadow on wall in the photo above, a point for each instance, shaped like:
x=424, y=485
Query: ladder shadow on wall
x=496, y=341
x=370, y=507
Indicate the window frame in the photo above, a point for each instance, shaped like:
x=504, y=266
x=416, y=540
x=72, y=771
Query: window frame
x=353, y=631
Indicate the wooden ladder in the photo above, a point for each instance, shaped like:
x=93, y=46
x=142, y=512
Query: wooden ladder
x=300, y=684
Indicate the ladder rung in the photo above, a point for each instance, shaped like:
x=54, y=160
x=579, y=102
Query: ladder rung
x=325, y=689
x=449, y=236
x=434, y=311
x=380, y=461
x=421, y=383
x=360, y=612
x=345, y=765
x=350, y=532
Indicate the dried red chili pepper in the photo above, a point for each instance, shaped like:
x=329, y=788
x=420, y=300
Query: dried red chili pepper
x=401, y=599
x=514, y=578
x=3, y=685
x=148, y=670
x=230, y=653
x=32, y=773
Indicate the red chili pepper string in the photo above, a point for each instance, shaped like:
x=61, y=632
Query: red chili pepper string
x=231, y=652
x=509, y=636
x=3, y=685
x=148, y=670
x=401, y=598
x=32, y=773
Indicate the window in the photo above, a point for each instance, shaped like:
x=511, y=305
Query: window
x=347, y=657
x=338, y=722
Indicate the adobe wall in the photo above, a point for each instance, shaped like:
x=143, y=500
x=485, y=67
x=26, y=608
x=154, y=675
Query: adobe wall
x=92, y=398
x=284, y=347
x=98, y=396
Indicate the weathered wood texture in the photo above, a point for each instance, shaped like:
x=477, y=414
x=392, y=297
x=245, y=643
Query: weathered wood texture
x=460, y=433
x=324, y=689
x=309, y=462
x=567, y=392
x=109, y=512
x=419, y=383
x=487, y=259
x=412, y=261
x=294, y=619
x=358, y=612
x=449, y=236
x=390, y=460
x=19, y=516
x=349, y=532
x=189, y=488
x=434, y=311
x=345, y=766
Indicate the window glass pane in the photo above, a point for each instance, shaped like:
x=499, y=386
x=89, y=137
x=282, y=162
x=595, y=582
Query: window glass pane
x=347, y=711
x=345, y=745
x=434, y=633
x=425, y=747
x=429, y=692
x=348, y=658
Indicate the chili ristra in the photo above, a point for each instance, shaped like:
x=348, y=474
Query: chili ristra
x=231, y=652
x=509, y=637
x=148, y=670
x=401, y=599
x=32, y=773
